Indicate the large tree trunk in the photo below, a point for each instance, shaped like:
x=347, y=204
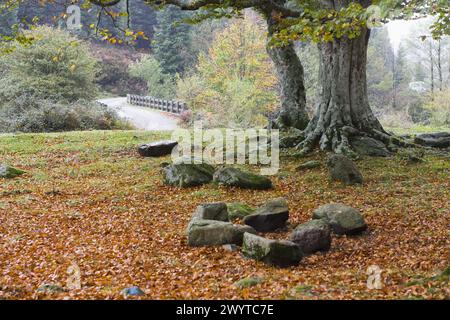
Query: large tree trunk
x=292, y=112
x=344, y=112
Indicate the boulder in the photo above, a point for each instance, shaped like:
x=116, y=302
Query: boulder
x=272, y=252
x=270, y=216
x=212, y=211
x=435, y=140
x=308, y=165
x=50, y=288
x=186, y=175
x=234, y=177
x=8, y=172
x=341, y=218
x=291, y=138
x=157, y=149
x=343, y=169
x=215, y=233
x=248, y=282
x=312, y=236
x=237, y=210
x=367, y=146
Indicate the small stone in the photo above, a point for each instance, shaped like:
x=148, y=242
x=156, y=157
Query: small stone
x=272, y=252
x=50, y=288
x=132, y=291
x=344, y=170
x=237, y=210
x=212, y=211
x=248, y=282
x=308, y=165
x=312, y=236
x=157, y=149
x=234, y=177
x=8, y=172
x=230, y=247
x=341, y=218
x=270, y=216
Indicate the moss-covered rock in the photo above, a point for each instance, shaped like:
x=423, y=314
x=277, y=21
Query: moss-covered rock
x=8, y=172
x=308, y=165
x=272, y=252
x=341, y=218
x=214, y=233
x=367, y=146
x=212, y=211
x=186, y=175
x=270, y=216
x=343, y=169
x=238, y=210
x=248, y=282
x=234, y=177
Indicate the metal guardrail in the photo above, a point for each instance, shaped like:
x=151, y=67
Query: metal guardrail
x=171, y=106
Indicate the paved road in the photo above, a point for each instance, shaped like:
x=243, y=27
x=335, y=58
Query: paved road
x=142, y=118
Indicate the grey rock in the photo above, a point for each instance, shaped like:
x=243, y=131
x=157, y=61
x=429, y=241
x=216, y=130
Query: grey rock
x=435, y=140
x=290, y=138
x=212, y=211
x=234, y=177
x=308, y=165
x=341, y=218
x=343, y=169
x=312, y=236
x=186, y=175
x=132, y=291
x=270, y=216
x=237, y=210
x=214, y=233
x=230, y=247
x=157, y=149
x=50, y=288
x=8, y=172
x=272, y=252
x=369, y=147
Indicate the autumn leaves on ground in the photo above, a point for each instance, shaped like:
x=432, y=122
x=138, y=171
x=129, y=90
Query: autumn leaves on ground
x=89, y=200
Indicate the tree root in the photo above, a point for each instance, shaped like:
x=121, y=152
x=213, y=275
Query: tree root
x=338, y=140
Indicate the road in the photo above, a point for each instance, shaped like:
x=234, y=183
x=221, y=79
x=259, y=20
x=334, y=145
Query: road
x=141, y=117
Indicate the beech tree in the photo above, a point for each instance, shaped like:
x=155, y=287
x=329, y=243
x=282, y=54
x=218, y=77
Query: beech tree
x=341, y=29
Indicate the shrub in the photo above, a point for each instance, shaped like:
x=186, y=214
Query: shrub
x=113, y=75
x=55, y=65
x=159, y=85
x=26, y=114
x=439, y=107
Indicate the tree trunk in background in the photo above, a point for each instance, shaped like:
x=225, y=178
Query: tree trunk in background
x=344, y=111
x=292, y=112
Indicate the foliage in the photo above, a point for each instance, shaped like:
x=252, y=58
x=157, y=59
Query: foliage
x=159, y=84
x=27, y=114
x=439, y=107
x=234, y=84
x=55, y=65
x=113, y=75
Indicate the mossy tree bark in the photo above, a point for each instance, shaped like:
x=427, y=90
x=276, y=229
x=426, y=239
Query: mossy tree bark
x=289, y=69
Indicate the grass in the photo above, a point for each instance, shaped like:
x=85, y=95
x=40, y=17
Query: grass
x=88, y=198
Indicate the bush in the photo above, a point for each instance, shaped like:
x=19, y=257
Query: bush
x=113, y=75
x=159, y=85
x=55, y=66
x=439, y=107
x=26, y=114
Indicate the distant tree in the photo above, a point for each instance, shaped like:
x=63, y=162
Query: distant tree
x=172, y=41
x=159, y=84
x=400, y=73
